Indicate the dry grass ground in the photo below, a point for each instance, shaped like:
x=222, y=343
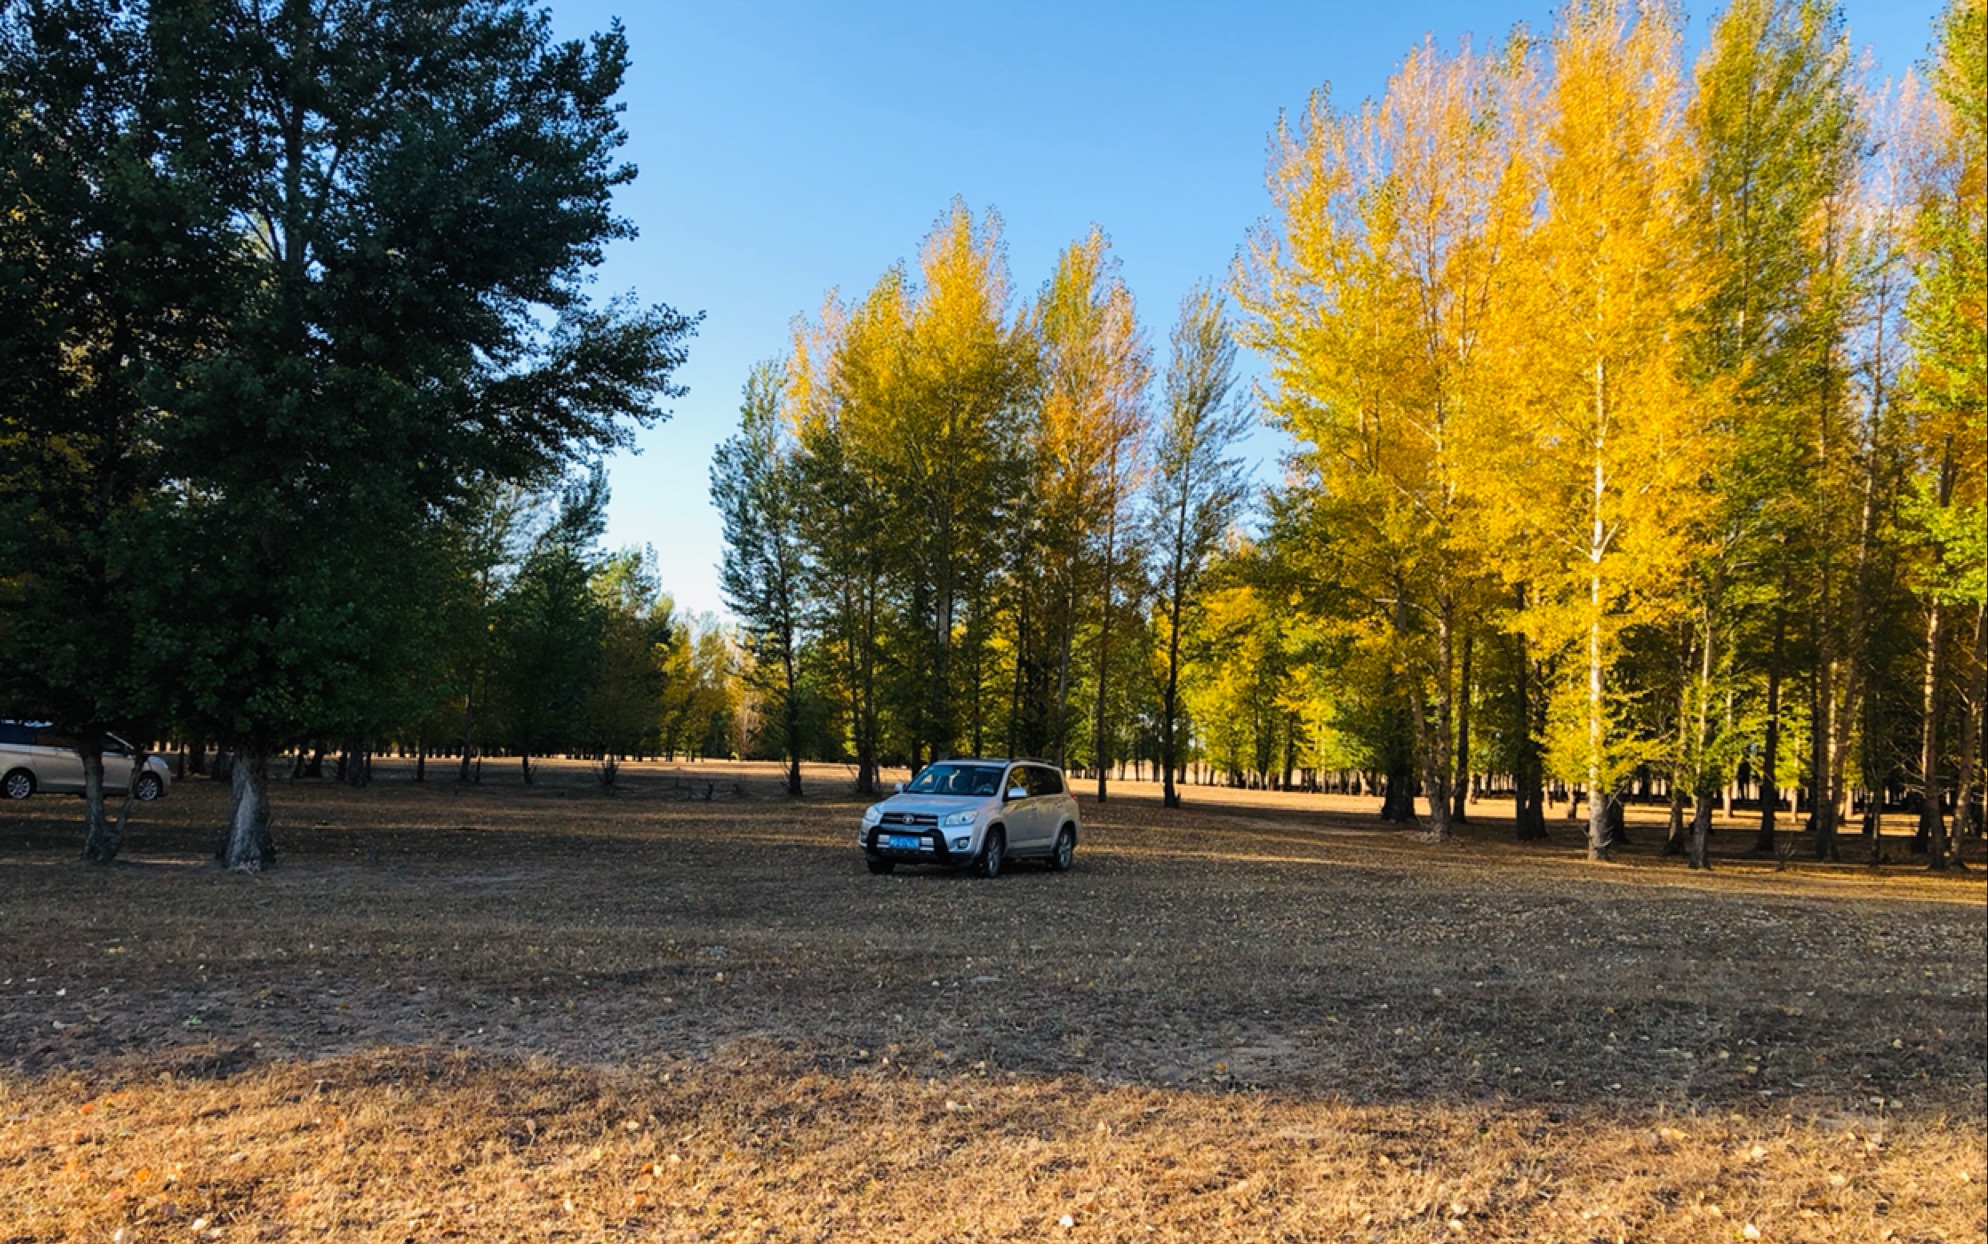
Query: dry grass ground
x=508, y=1014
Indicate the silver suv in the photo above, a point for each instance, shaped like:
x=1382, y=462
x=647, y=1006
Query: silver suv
x=975, y=814
x=34, y=760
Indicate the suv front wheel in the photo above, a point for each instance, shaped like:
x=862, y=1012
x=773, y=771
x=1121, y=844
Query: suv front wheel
x=992, y=854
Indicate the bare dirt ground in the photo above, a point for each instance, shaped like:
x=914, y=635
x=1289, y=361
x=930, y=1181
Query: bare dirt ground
x=508, y=1013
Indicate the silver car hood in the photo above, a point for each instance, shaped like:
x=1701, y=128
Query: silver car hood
x=937, y=805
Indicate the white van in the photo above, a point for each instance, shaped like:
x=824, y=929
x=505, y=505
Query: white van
x=35, y=760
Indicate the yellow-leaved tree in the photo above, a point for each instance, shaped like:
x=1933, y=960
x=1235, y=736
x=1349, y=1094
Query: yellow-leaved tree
x=1604, y=443
x=1370, y=292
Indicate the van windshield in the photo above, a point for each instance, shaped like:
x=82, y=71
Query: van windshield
x=952, y=779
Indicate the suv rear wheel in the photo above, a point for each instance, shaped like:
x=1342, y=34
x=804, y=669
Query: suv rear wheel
x=1066, y=850
x=18, y=784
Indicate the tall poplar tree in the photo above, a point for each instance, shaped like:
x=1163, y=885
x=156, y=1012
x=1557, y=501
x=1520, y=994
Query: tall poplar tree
x=1068, y=557
x=1604, y=420
x=1196, y=493
x=1371, y=293
x=1949, y=387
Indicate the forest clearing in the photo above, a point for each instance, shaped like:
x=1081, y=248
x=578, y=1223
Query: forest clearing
x=496, y=1013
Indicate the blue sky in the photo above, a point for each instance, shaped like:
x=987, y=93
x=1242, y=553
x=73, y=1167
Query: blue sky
x=787, y=149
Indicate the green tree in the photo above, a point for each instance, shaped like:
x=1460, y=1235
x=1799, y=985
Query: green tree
x=548, y=630
x=109, y=272
x=756, y=486
x=636, y=629
x=1948, y=323
x=1066, y=565
x=419, y=188
x=1196, y=493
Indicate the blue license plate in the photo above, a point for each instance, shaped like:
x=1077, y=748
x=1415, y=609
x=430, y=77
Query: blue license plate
x=903, y=842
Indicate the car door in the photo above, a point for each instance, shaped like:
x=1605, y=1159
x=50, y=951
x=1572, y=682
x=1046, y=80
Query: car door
x=118, y=762
x=1040, y=783
x=1049, y=804
x=58, y=765
x=1018, y=810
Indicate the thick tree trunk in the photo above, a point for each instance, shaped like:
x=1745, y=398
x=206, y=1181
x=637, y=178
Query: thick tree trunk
x=1615, y=819
x=1701, y=830
x=100, y=842
x=1398, y=796
x=247, y=845
x=1433, y=754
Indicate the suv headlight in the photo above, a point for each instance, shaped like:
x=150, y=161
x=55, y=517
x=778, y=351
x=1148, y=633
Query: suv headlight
x=958, y=820
x=872, y=814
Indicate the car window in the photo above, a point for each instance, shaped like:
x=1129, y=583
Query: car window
x=45, y=739
x=1045, y=781
x=945, y=779
x=15, y=732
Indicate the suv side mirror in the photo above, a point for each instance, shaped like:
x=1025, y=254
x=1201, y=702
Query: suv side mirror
x=1017, y=792
x=899, y=787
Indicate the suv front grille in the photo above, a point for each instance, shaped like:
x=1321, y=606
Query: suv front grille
x=909, y=818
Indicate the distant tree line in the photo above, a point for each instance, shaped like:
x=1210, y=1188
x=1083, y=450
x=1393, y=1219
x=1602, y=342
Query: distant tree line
x=292, y=313
x=1639, y=414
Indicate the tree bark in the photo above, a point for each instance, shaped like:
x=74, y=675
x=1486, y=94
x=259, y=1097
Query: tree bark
x=792, y=714
x=1674, y=833
x=1100, y=734
x=1398, y=796
x=100, y=841
x=1701, y=830
x=1967, y=792
x=1770, y=751
x=1461, y=794
x=1932, y=816
x=1529, y=773
x=248, y=846
x=468, y=731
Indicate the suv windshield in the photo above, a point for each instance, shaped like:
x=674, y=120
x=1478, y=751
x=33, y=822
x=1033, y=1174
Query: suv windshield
x=951, y=779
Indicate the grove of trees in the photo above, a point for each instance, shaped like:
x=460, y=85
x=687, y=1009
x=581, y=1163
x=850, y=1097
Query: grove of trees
x=1636, y=404
x=294, y=303
x=1638, y=411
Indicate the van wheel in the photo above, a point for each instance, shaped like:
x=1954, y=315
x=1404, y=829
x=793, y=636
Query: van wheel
x=1066, y=850
x=882, y=868
x=18, y=784
x=149, y=787
x=992, y=854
